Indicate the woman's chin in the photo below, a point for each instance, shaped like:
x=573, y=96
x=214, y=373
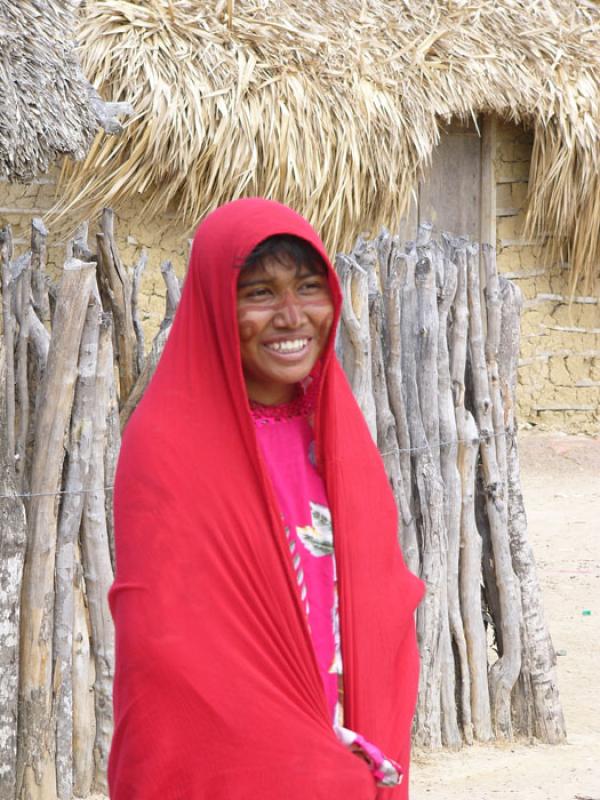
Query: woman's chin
x=294, y=374
x=288, y=368
x=277, y=387
x=286, y=383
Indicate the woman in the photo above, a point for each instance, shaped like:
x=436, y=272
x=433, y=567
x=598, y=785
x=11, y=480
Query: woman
x=231, y=590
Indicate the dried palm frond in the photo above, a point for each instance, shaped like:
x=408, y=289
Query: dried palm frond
x=48, y=108
x=334, y=106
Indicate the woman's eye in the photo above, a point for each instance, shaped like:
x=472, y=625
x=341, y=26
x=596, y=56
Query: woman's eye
x=258, y=293
x=312, y=285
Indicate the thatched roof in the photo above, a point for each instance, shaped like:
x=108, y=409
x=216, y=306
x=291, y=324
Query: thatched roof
x=48, y=108
x=334, y=106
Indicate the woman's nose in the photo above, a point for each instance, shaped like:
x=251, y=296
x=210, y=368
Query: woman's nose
x=289, y=313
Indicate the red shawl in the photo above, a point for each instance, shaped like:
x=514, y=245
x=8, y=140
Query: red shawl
x=217, y=693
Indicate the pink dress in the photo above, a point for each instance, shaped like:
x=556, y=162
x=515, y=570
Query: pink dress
x=286, y=438
x=285, y=434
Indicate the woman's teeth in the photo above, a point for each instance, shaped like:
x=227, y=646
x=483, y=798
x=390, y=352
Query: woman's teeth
x=291, y=346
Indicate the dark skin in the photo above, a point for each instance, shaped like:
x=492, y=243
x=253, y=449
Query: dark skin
x=285, y=313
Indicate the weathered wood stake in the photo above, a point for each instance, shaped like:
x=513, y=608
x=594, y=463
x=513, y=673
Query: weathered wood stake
x=36, y=774
x=12, y=555
x=76, y=484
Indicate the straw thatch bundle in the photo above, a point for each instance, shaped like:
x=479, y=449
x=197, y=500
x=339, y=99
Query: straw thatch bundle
x=334, y=106
x=48, y=108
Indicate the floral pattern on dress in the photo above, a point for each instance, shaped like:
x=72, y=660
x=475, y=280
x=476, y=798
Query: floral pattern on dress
x=318, y=537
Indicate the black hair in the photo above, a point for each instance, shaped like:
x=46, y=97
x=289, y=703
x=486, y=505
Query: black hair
x=286, y=248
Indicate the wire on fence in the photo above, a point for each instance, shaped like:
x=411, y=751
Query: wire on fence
x=482, y=438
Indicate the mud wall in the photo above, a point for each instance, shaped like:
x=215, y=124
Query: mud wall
x=559, y=372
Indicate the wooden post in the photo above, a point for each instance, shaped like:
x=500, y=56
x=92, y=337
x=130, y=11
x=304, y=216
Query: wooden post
x=39, y=346
x=539, y=656
x=84, y=718
x=470, y=585
x=447, y=283
x=173, y=291
x=429, y=497
x=76, y=484
x=387, y=439
x=138, y=271
x=39, y=280
x=12, y=554
x=8, y=332
x=36, y=774
x=355, y=317
x=427, y=378
x=395, y=381
x=97, y=566
x=111, y=450
x=427, y=324
x=23, y=290
x=115, y=290
x=470, y=556
x=39, y=338
x=384, y=245
x=505, y=671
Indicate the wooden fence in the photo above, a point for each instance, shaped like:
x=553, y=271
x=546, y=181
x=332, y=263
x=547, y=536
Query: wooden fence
x=432, y=361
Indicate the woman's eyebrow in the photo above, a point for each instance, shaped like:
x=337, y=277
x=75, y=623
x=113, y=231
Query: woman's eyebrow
x=253, y=282
x=242, y=284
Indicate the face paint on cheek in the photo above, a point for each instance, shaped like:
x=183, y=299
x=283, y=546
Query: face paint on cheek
x=247, y=329
x=325, y=327
x=319, y=302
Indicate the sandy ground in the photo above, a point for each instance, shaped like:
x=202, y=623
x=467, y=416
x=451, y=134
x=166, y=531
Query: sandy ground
x=561, y=485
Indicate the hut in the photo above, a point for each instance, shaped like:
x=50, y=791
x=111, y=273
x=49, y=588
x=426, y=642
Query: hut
x=479, y=115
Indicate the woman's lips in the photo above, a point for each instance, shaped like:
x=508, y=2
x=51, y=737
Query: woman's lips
x=291, y=349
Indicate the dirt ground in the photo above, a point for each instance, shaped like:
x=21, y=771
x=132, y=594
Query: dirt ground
x=561, y=485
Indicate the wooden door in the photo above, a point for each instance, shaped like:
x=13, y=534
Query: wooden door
x=458, y=192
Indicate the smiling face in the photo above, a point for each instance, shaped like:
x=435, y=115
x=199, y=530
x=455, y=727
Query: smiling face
x=285, y=313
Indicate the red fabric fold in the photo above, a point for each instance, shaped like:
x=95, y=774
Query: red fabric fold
x=217, y=693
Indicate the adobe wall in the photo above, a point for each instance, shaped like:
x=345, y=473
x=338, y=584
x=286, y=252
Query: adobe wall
x=559, y=369
x=559, y=372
